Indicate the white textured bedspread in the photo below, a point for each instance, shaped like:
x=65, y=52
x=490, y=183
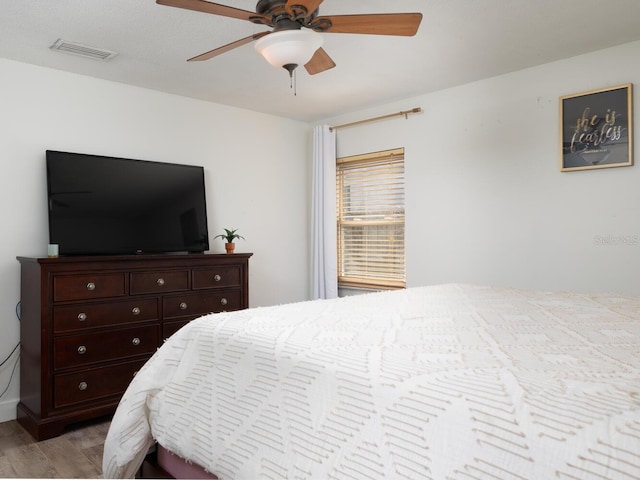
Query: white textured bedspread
x=445, y=382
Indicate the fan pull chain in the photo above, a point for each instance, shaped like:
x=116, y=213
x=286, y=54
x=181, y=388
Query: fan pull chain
x=295, y=83
x=291, y=68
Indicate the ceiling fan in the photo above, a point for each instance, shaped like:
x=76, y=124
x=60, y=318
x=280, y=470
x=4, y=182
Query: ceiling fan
x=294, y=39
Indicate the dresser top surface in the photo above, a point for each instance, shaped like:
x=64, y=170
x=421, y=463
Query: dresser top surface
x=178, y=258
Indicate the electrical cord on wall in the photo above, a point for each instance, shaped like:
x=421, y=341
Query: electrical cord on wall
x=15, y=365
x=13, y=371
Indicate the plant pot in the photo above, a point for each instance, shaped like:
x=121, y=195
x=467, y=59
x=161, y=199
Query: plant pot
x=230, y=247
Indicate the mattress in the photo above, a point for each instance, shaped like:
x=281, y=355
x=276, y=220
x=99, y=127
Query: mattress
x=441, y=382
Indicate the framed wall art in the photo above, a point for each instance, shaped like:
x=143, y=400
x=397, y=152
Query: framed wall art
x=596, y=129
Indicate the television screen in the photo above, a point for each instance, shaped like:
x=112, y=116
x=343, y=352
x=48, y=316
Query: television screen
x=106, y=206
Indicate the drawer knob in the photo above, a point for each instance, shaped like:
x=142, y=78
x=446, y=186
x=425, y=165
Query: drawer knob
x=217, y=278
x=82, y=349
x=223, y=301
x=136, y=310
x=160, y=282
x=82, y=316
x=183, y=306
x=82, y=386
x=91, y=286
x=135, y=341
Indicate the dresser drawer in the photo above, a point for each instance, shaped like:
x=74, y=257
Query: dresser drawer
x=200, y=303
x=80, y=350
x=93, y=384
x=82, y=287
x=216, y=277
x=159, y=281
x=69, y=318
x=169, y=328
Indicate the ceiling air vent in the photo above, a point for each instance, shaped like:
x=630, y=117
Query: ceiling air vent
x=82, y=50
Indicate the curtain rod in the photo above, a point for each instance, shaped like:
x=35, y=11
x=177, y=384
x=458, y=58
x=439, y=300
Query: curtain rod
x=359, y=122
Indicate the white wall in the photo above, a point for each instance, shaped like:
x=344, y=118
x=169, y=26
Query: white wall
x=256, y=169
x=486, y=202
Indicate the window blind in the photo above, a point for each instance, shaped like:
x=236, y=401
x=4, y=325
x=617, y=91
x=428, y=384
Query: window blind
x=370, y=203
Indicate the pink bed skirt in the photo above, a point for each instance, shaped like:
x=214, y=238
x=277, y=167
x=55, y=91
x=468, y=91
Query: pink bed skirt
x=178, y=467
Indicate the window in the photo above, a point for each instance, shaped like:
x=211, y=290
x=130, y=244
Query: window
x=370, y=203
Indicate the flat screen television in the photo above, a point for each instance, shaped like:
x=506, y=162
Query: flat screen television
x=102, y=205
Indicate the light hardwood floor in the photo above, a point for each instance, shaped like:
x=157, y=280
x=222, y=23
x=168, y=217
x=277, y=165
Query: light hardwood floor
x=74, y=454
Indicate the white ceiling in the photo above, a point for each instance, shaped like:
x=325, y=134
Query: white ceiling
x=459, y=41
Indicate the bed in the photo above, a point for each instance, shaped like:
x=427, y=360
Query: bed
x=441, y=382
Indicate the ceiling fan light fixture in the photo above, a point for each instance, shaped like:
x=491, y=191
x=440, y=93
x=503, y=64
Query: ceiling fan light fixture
x=289, y=47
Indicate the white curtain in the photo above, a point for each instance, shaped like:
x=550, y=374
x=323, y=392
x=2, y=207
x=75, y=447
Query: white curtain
x=324, y=248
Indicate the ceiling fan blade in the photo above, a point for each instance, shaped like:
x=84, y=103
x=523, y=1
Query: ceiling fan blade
x=319, y=62
x=302, y=8
x=230, y=46
x=209, y=7
x=403, y=24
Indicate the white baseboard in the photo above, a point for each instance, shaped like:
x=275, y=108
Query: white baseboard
x=8, y=410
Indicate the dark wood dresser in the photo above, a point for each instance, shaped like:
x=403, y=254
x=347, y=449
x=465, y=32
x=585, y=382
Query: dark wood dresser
x=89, y=323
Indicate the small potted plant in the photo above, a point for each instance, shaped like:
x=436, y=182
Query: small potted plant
x=229, y=235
